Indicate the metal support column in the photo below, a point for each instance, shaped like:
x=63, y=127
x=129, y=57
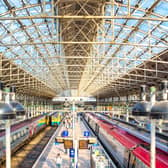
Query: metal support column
x=8, y=145
x=75, y=141
x=153, y=145
x=7, y=128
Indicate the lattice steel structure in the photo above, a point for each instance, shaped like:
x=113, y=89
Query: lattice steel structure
x=99, y=47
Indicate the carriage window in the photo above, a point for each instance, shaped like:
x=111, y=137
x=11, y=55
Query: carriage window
x=18, y=135
x=3, y=147
x=21, y=133
x=1, y=144
x=14, y=137
x=24, y=132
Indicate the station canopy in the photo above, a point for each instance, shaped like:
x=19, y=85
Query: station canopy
x=97, y=47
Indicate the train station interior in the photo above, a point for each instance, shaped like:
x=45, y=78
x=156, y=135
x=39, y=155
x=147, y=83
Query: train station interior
x=83, y=83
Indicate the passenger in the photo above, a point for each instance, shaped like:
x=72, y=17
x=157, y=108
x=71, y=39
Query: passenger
x=58, y=161
x=67, y=125
x=64, y=123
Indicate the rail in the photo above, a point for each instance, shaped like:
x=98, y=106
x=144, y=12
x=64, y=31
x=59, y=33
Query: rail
x=46, y=147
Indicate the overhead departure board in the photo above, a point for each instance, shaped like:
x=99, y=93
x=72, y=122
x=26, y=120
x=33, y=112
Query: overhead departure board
x=83, y=144
x=68, y=144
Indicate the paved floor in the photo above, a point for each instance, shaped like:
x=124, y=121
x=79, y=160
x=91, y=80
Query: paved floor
x=48, y=159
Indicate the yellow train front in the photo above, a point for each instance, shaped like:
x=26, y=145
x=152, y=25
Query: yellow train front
x=55, y=118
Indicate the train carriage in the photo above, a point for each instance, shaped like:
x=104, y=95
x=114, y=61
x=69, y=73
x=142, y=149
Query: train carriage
x=21, y=132
x=127, y=150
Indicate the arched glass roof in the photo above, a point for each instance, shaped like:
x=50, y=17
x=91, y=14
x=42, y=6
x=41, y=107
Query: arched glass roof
x=85, y=45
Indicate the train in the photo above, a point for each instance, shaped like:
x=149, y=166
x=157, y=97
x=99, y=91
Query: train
x=55, y=119
x=126, y=150
x=142, y=122
x=25, y=130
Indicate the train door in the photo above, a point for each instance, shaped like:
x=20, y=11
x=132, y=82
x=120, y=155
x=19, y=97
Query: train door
x=50, y=120
x=88, y=120
x=135, y=162
x=131, y=160
x=97, y=129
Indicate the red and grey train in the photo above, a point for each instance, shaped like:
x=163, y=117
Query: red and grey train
x=127, y=150
x=23, y=131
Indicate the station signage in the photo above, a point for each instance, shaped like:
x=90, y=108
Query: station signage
x=72, y=153
x=68, y=143
x=86, y=133
x=76, y=99
x=83, y=144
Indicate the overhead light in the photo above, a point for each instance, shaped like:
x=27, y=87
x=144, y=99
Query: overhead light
x=6, y=111
x=17, y=108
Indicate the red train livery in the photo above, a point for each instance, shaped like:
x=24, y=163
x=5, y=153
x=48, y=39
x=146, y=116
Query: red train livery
x=127, y=150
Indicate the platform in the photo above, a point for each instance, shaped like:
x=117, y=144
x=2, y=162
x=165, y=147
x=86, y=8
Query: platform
x=47, y=158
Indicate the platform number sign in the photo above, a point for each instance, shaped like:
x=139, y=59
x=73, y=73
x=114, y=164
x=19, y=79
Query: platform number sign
x=72, y=153
x=86, y=133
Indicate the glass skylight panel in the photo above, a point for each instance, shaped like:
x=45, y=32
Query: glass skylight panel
x=144, y=26
x=30, y=30
x=2, y=49
x=34, y=10
x=139, y=36
x=18, y=62
x=34, y=35
x=145, y=4
x=3, y=7
x=157, y=33
x=16, y=49
x=164, y=26
x=132, y=22
x=21, y=13
x=3, y=33
x=120, y=21
x=20, y=36
x=156, y=50
x=15, y=3
x=132, y=2
x=7, y=39
x=161, y=8
x=122, y=11
x=146, y=56
x=138, y=13
x=9, y=55
x=48, y=8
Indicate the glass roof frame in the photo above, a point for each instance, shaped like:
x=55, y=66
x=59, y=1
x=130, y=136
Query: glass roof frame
x=48, y=62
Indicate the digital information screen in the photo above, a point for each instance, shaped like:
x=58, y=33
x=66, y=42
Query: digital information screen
x=68, y=144
x=83, y=144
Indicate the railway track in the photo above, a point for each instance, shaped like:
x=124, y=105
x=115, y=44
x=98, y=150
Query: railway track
x=27, y=155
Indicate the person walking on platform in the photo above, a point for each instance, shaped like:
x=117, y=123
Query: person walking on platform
x=58, y=161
